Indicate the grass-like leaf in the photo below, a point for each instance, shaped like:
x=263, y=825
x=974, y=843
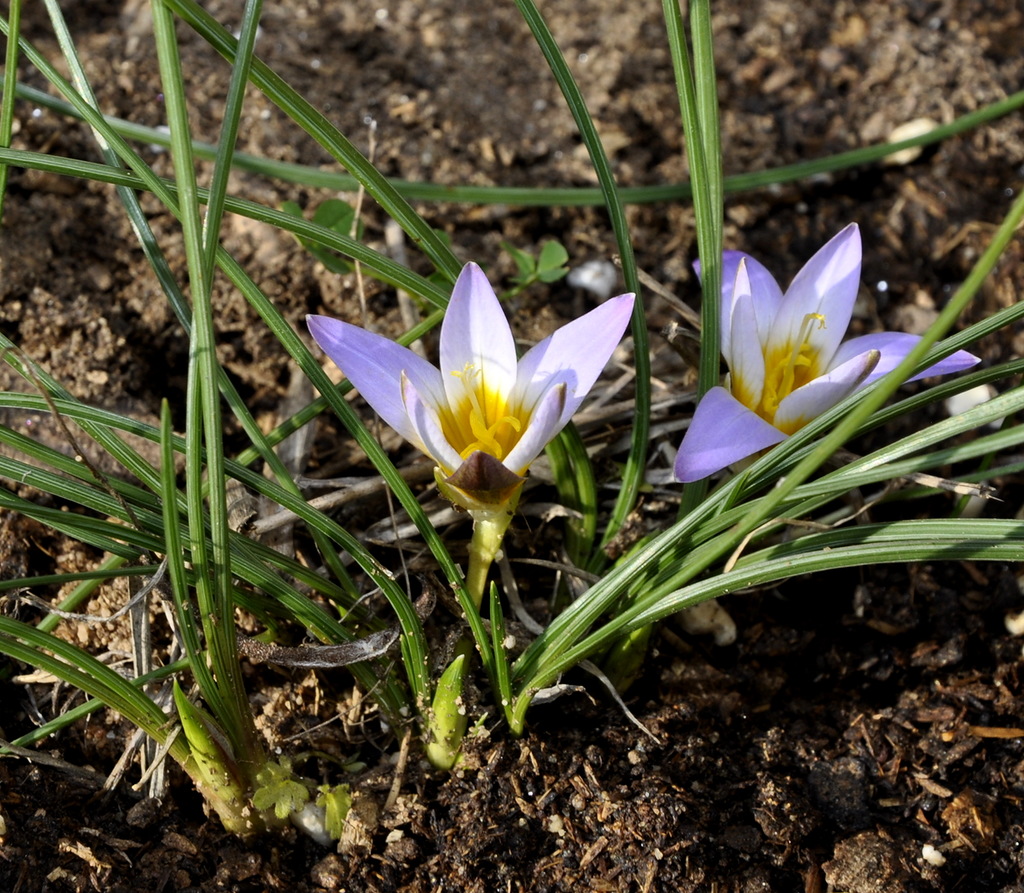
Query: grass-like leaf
x=632, y=474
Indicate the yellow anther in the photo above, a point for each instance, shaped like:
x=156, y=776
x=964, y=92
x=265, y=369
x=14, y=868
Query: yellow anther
x=482, y=421
x=487, y=438
x=785, y=373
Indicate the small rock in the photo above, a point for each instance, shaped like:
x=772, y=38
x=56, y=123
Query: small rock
x=867, y=863
x=745, y=838
x=144, y=813
x=598, y=277
x=328, y=873
x=709, y=617
x=402, y=849
x=917, y=127
x=1015, y=624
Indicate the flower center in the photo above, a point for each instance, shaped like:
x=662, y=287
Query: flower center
x=788, y=368
x=482, y=420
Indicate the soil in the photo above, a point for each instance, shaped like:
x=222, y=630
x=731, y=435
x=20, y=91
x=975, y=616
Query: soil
x=864, y=734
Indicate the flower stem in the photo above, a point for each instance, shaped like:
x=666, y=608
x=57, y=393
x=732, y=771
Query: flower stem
x=488, y=532
x=448, y=721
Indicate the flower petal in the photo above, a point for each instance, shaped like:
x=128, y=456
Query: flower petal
x=894, y=346
x=721, y=432
x=547, y=419
x=765, y=290
x=744, y=356
x=475, y=335
x=824, y=392
x=827, y=286
x=375, y=365
x=426, y=425
x=955, y=362
x=575, y=354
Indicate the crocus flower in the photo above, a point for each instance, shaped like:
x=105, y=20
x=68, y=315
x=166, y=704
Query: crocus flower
x=786, y=363
x=483, y=417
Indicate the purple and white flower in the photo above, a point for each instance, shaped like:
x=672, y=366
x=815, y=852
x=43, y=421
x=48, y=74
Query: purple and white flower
x=786, y=363
x=483, y=416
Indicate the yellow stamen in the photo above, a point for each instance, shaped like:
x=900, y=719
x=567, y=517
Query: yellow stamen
x=483, y=420
x=788, y=369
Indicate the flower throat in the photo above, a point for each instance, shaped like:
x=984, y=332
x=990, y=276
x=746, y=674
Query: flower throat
x=482, y=420
x=786, y=371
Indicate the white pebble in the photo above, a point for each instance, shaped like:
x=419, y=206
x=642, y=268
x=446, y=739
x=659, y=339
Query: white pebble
x=156, y=147
x=312, y=820
x=709, y=617
x=1015, y=624
x=932, y=856
x=556, y=825
x=917, y=127
x=960, y=403
x=599, y=277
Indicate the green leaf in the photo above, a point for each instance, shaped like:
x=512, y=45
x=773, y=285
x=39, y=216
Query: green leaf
x=336, y=801
x=333, y=214
x=449, y=721
x=339, y=215
x=525, y=263
x=214, y=770
x=277, y=787
x=636, y=463
x=502, y=684
x=210, y=749
x=551, y=263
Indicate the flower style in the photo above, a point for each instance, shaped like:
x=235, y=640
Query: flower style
x=482, y=417
x=786, y=363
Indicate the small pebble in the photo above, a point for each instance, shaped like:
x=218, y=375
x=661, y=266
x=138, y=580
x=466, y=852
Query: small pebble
x=144, y=813
x=556, y=825
x=960, y=403
x=312, y=821
x=329, y=873
x=598, y=277
x=917, y=127
x=1015, y=624
x=709, y=617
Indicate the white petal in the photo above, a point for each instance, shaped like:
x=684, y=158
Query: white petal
x=824, y=392
x=427, y=427
x=721, y=432
x=827, y=285
x=375, y=365
x=545, y=423
x=745, y=358
x=476, y=341
x=763, y=287
x=575, y=354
